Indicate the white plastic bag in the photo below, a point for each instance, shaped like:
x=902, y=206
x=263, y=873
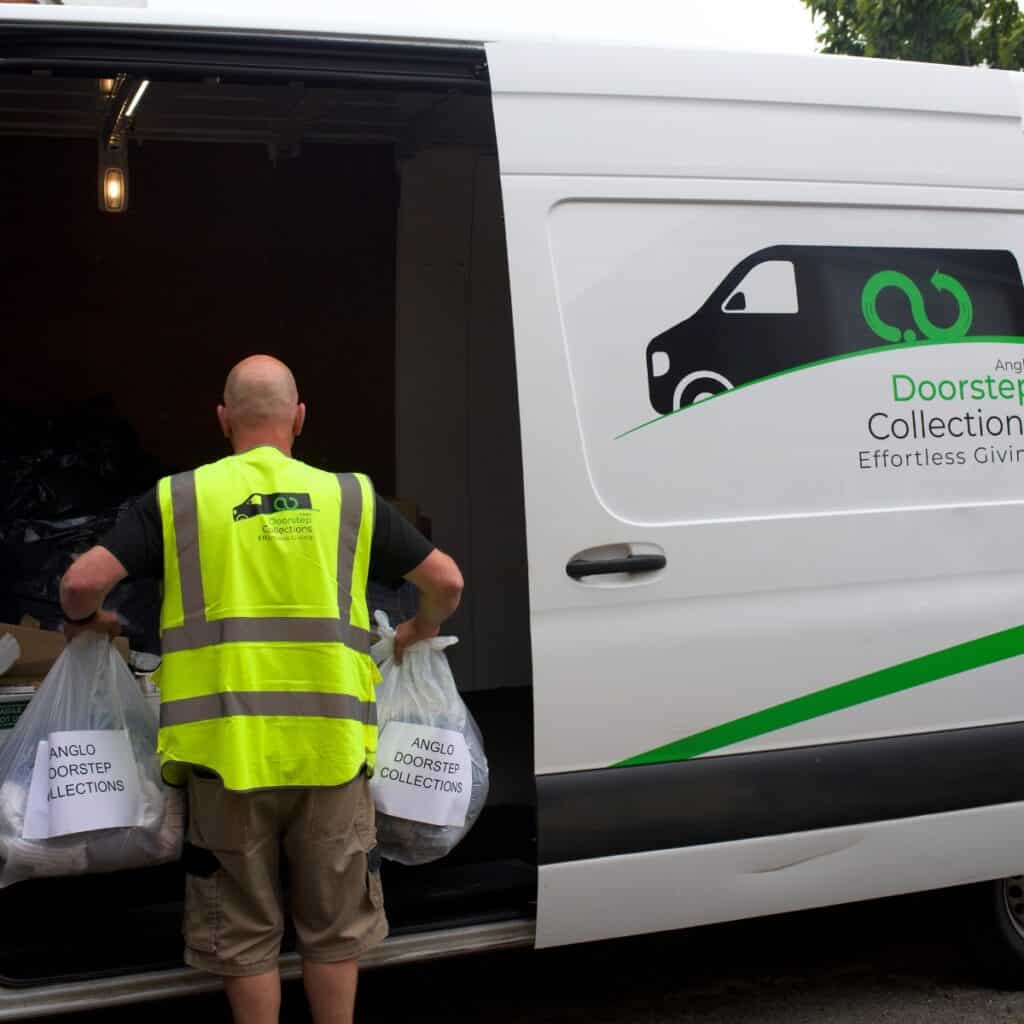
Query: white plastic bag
x=80, y=787
x=430, y=781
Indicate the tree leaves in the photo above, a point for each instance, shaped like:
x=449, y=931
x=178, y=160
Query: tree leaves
x=988, y=32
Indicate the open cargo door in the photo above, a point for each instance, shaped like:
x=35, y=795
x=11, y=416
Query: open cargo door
x=595, y=642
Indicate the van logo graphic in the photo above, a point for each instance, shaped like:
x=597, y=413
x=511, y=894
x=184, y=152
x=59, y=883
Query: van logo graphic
x=940, y=282
x=791, y=306
x=270, y=504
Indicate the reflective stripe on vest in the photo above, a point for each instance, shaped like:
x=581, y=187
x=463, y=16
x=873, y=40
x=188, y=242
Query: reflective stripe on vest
x=264, y=702
x=198, y=631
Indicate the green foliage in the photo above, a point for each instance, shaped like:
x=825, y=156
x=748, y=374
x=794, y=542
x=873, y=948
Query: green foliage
x=987, y=32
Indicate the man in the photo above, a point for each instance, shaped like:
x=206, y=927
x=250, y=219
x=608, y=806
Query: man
x=267, y=688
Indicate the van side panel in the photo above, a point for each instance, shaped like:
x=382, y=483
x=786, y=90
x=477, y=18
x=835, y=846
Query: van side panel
x=666, y=114
x=840, y=569
x=729, y=881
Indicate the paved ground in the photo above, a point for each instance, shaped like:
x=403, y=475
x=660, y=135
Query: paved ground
x=891, y=961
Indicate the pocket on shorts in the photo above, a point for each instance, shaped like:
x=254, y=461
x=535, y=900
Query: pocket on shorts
x=218, y=818
x=343, y=813
x=366, y=820
x=202, y=912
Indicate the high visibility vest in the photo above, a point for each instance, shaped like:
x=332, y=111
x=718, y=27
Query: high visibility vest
x=266, y=676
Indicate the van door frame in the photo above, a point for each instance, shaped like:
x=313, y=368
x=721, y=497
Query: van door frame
x=235, y=56
x=239, y=56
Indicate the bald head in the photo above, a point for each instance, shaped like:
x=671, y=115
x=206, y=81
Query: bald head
x=261, y=403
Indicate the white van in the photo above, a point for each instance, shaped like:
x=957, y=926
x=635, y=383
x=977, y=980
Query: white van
x=752, y=652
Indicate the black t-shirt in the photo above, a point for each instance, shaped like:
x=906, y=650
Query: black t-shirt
x=136, y=540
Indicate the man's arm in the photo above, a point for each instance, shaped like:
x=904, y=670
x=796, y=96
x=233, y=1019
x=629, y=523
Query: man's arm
x=133, y=547
x=440, y=584
x=83, y=589
x=400, y=551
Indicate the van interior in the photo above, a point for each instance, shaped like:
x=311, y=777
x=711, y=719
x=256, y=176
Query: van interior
x=342, y=212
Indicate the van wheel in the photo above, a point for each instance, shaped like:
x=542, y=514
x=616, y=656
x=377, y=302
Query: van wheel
x=995, y=929
x=697, y=386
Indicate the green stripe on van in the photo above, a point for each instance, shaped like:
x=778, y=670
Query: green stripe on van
x=996, y=339
x=986, y=650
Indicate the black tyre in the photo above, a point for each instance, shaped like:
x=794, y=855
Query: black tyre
x=994, y=914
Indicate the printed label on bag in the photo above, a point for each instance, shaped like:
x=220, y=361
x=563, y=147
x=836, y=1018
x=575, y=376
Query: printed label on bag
x=423, y=774
x=82, y=781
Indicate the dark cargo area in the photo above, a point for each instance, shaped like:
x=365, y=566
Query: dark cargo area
x=356, y=233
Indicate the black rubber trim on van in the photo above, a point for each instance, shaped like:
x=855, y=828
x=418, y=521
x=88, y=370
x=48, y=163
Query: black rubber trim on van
x=719, y=799
x=239, y=56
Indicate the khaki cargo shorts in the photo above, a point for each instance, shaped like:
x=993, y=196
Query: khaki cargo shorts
x=234, y=914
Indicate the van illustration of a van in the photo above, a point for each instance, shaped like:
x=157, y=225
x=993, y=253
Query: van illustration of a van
x=269, y=504
x=789, y=305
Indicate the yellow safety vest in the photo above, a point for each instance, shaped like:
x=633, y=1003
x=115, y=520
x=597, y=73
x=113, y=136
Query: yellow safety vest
x=266, y=676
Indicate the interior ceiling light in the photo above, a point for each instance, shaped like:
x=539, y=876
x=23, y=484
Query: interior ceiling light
x=113, y=180
x=114, y=191
x=122, y=105
x=129, y=110
x=107, y=92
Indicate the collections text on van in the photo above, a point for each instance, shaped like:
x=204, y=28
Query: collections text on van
x=922, y=424
x=929, y=421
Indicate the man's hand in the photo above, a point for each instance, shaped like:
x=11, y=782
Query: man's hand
x=102, y=622
x=409, y=632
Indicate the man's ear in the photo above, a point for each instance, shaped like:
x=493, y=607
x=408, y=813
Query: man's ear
x=225, y=420
x=300, y=419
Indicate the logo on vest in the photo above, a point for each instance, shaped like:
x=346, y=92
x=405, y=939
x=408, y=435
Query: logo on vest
x=271, y=505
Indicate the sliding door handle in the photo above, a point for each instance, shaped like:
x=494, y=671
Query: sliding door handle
x=577, y=567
